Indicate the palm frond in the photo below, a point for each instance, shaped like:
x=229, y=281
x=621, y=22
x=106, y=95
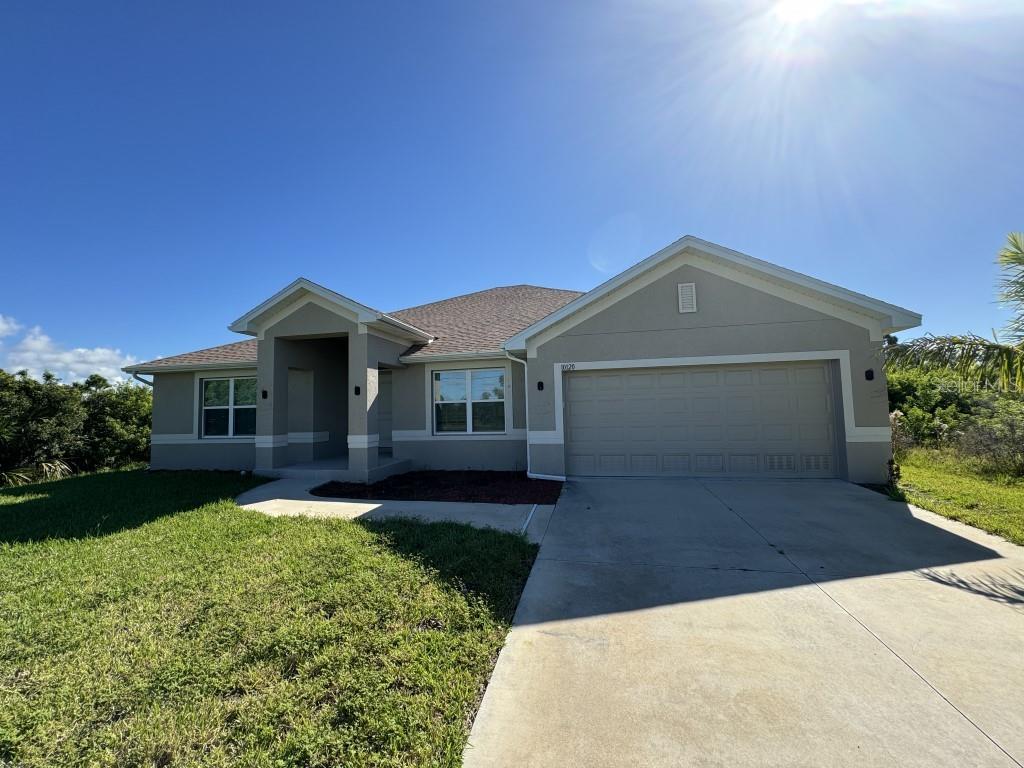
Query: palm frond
x=1011, y=283
x=970, y=358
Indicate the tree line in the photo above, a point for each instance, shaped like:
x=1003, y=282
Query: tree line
x=50, y=429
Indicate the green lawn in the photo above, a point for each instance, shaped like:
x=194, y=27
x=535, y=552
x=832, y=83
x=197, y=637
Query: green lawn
x=146, y=620
x=946, y=485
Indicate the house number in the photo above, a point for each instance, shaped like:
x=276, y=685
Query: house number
x=568, y=366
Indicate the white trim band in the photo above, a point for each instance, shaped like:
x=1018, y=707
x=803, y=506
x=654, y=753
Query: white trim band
x=190, y=439
x=308, y=437
x=271, y=441
x=417, y=435
x=363, y=441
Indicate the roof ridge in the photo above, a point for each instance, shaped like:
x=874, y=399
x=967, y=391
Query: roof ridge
x=484, y=290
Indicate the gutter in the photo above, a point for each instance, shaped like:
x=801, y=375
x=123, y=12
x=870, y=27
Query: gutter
x=453, y=357
x=138, y=378
x=188, y=367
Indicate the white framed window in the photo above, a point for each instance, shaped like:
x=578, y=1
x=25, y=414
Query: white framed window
x=228, y=407
x=469, y=401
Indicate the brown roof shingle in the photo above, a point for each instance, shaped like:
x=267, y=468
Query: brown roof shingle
x=474, y=322
x=481, y=321
x=234, y=353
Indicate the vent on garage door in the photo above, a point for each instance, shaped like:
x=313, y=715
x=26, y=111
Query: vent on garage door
x=814, y=463
x=687, y=297
x=780, y=462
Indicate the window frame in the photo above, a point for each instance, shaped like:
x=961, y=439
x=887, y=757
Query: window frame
x=467, y=372
x=230, y=408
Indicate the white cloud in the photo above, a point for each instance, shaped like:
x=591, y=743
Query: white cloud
x=36, y=352
x=8, y=326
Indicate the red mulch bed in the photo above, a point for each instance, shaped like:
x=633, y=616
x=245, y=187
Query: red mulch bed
x=463, y=485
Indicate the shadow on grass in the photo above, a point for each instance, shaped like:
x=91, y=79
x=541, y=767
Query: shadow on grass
x=106, y=502
x=491, y=564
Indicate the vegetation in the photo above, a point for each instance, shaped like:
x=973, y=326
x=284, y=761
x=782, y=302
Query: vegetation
x=974, y=358
x=963, y=394
x=49, y=429
x=146, y=620
x=945, y=483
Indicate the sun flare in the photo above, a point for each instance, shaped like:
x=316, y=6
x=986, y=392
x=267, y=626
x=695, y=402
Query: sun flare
x=799, y=11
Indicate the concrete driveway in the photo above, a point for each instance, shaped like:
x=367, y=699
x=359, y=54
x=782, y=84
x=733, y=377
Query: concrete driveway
x=750, y=623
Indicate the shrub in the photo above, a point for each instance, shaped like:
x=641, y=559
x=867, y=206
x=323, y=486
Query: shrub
x=117, y=423
x=932, y=406
x=994, y=436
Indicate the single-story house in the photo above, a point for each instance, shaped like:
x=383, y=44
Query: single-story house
x=697, y=361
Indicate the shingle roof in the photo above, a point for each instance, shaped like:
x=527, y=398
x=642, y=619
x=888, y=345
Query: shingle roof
x=230, y=354
x=474, y=322
x=481, y=321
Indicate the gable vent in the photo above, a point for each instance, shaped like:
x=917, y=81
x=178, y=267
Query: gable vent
x=687, y=297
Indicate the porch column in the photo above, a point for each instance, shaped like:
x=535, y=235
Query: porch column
x=271, y=413
x=362, y=407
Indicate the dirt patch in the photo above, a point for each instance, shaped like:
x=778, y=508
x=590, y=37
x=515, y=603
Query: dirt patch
x=467, y=485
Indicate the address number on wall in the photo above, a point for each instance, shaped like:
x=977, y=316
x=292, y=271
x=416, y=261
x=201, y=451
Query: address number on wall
x=568, y=366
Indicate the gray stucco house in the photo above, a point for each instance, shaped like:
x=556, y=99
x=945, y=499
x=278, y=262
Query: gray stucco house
x=697, y=361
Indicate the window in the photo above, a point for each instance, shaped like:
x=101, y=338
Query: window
x=229, y=407
x=469, y=401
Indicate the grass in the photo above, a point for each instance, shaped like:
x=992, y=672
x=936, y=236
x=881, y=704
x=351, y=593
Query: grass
x=944, y=484
x=146, y=620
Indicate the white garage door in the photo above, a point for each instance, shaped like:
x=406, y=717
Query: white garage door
x=768, y=419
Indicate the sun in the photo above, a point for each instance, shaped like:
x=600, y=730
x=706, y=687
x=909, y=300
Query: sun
x=794, y=12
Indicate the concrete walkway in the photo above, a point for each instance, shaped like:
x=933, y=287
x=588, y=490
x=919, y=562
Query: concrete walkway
x=292, y=497
x=749, y=623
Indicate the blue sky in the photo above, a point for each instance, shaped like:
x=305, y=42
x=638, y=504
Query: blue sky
x=166, y=166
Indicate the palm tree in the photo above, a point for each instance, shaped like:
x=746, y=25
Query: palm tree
x=974, y=358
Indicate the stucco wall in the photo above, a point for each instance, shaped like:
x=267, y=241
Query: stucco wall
x=452, y=453
x=732, y=319
x=203, y=455
x=174, y=403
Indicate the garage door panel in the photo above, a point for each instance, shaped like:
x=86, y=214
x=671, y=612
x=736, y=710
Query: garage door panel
x=774, y=376
x=611, y=463
x=736, y=420
x=675, y=463
x=605, y=384
x=778, y=432
x=703, y=406
x=669, y=381
x=743, y=378
x=739, y=405
x=744, y=463
x=709, y=462
x=704, y=379
x=743, y=433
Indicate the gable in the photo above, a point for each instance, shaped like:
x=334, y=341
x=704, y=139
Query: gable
x=303, y=292
x=873, y=315
x=720, y=302
x=311, y=317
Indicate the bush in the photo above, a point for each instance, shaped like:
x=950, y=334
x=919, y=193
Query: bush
x=117, y=423
x=932, y=406
x=994, y=436
x=48, y=429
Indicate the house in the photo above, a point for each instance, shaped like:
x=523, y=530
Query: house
x=697, y=361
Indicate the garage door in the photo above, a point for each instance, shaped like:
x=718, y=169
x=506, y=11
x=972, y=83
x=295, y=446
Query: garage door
x=755, y=420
